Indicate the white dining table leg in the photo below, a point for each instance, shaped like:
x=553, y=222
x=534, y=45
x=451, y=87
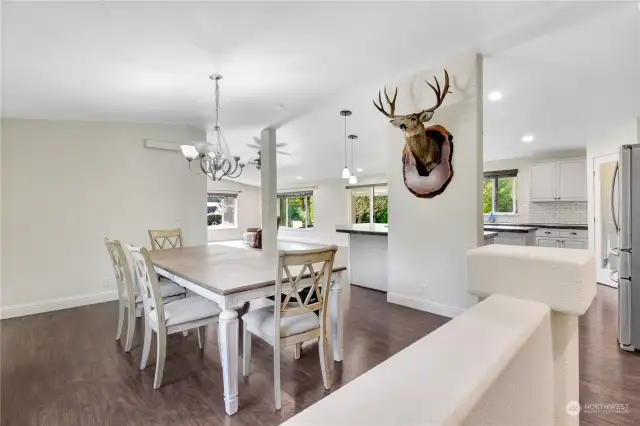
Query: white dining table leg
x=338, y=280
x=228, y=343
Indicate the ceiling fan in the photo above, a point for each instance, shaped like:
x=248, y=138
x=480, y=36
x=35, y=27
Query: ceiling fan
x=257, y=146
x=258, y=160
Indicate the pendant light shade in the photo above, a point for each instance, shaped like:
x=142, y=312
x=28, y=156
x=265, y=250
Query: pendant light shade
x=345, y=172
x=353, y=179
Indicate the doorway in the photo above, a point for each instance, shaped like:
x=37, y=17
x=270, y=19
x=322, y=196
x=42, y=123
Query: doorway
x=605, y=235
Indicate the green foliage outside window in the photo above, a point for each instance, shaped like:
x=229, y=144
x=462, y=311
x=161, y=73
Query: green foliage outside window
x=487, y=195
x=294, y=212
x=362, y=210
x=381, y=209
x=501, y=191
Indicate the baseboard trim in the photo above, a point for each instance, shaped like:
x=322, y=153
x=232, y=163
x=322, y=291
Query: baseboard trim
x=56, y=304
x=424, y=305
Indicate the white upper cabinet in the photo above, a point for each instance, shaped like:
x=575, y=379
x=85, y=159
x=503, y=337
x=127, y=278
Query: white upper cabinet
x=564, y=180
x=572, y=180
x=544, y=182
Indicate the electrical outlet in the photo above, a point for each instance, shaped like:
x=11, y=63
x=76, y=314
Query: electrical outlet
x=109, y=282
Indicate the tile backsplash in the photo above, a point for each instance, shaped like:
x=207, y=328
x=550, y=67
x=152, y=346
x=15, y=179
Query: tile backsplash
x=574, y=212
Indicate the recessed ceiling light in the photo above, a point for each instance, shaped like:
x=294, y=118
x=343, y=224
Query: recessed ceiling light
x=298, y=177
x=358, y=170
x=527, y=138
x=494, y=96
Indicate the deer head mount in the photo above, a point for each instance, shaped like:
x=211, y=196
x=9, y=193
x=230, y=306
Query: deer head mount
x=410, y=122
x=423, y=148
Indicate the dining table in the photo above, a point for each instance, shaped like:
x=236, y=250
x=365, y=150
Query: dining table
x=231, y=276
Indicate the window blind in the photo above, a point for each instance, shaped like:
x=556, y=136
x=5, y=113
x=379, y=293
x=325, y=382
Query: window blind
x=501, y=173
x=211, y=195
x=302, y=193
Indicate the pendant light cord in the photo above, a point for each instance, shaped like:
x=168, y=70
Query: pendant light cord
x=345, y=141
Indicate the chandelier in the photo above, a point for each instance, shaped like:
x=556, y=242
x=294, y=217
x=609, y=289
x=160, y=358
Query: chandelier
x=214, y=158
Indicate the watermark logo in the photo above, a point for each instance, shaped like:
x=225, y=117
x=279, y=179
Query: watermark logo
x=573, y=408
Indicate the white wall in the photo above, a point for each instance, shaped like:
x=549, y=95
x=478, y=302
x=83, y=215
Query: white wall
x=605, y=143
x=428, y=238
x=248, y=209
x=67, y=185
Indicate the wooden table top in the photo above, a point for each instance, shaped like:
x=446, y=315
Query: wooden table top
x=227, y=270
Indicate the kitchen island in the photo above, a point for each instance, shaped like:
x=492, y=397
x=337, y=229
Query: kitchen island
x=367, y=254
x=513, y=235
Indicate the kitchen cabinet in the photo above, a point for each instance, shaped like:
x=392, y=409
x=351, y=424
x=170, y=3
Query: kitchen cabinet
x=572, y=180
x=563, y=180
x=575, y=244
x=569, y=238
x=548, y=242
x=544, y=182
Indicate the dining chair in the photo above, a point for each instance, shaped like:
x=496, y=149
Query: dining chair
x=165, y=238
x=132, y=307
x=293, y=320
x=192, y=312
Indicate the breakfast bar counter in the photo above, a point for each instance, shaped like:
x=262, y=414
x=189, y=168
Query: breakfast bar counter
x=367, y=254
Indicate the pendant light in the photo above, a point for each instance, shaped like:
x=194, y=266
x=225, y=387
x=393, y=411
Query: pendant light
x=353, y=179
x=345, y=172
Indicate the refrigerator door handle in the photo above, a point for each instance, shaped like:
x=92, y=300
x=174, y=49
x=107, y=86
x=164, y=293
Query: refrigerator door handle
x=613, y=207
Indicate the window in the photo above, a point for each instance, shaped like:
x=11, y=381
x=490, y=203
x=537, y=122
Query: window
x=221, y=210
x=499, y=192
x=296, y=209
x=367, y=199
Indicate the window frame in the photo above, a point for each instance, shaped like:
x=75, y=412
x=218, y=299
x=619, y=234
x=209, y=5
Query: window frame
x=221, y=227
x=305, y=195
x=493, y=177
x=371, y=195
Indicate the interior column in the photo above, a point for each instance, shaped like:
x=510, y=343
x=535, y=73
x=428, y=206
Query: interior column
x=268, y=195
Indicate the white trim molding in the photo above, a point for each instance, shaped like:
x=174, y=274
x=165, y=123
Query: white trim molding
x=56, y=304
x=424, y=305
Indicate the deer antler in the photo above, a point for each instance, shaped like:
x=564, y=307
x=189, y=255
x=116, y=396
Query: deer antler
x=440, y=94
x=391, y=102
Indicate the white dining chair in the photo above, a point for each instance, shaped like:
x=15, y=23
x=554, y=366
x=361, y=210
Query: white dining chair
x=132, y=307
x=162, y=239
x=293, y=320
x=192, y=312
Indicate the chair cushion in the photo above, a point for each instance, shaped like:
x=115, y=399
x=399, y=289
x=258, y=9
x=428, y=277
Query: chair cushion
x=167, y=289
x=261, y=322
x=189, y=309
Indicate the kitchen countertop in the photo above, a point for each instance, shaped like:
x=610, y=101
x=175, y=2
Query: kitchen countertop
x=490, y=234
x=363, y=229
x=583, y=227
x=522, y=229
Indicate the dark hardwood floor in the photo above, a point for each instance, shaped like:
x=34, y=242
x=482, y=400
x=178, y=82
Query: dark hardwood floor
x=608, y=375
x=64, y=368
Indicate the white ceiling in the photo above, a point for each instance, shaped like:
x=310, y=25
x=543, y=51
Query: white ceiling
x=564, y=85
x=150, y=62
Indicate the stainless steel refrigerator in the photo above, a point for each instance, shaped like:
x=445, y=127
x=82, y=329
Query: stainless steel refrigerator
x=627, y=218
